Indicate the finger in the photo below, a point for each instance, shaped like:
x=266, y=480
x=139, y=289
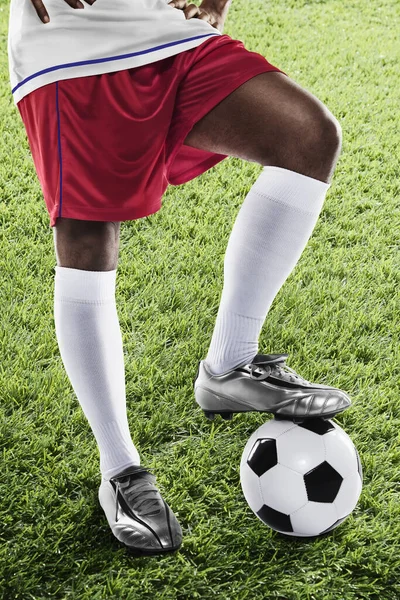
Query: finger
x=191, y=11
x=78, y=3
x=204, y=16
x=199, y=14
x=41, y=10
x=178, y=3
x=44, y=15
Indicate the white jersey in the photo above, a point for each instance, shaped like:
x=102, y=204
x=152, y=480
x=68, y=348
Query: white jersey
x=110, y=35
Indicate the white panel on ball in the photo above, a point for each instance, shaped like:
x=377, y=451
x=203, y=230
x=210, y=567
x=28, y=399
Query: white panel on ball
x=304, y=451
x=313, y=518
x=251, y=488
x=341, y=455
x=283, y=489
x=348, y=495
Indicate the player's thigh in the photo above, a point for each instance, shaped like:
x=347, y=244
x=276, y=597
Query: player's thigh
x=264, y=119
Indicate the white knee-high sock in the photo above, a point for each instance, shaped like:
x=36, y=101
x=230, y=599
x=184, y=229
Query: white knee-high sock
x=90, y=343
x=271, y=231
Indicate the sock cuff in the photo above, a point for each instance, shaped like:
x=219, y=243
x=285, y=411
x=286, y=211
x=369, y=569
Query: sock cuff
x=85, y=286
x=288, y=187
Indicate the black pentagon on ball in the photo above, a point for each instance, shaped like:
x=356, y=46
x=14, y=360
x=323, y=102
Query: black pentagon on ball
x=263, y=456
x=322, y=483
x=275, y=519
x=317, y=425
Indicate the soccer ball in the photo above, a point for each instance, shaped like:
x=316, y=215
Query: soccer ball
x=301, y=480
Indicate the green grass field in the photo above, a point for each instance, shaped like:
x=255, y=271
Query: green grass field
x=337, y=317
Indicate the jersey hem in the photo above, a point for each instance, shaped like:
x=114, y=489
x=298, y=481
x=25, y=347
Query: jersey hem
x=102, y=66
x=106, y=214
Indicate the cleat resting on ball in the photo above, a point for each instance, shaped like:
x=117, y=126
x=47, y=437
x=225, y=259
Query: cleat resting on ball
x=266, y=384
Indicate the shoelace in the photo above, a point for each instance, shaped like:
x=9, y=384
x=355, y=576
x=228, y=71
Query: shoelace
x=138, y=496
x=272, y=366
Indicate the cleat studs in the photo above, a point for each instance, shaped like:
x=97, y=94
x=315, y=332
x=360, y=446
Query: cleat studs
x=280, y=418
x=209, y=415
x=283, y=418
x=295, y=420
x=227, y=416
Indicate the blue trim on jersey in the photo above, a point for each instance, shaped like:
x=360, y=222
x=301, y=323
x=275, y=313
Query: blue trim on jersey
x=59, y=146
x=100, y=60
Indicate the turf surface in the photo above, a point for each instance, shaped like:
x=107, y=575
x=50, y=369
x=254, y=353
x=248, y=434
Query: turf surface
x=337, y=317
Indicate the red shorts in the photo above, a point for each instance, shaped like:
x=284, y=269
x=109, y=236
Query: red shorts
x=106, y=147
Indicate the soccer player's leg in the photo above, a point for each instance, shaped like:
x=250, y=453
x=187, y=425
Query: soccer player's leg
x=273, y=121
x=90, y=343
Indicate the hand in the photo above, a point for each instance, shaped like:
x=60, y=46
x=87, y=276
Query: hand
x=209, y=11
x=43, y=14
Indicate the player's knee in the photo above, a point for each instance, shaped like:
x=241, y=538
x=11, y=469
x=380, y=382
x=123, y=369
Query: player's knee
x=86, y=245
x=313, y=131
x=313, y=143
x=326, y=137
